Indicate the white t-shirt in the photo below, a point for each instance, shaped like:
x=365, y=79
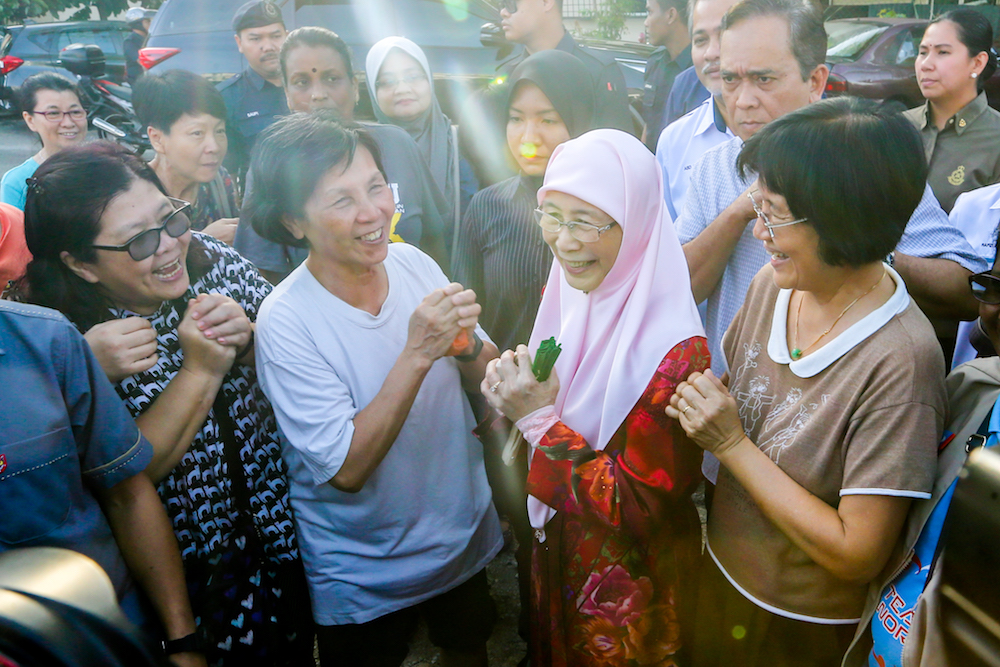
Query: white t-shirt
x=424, y=521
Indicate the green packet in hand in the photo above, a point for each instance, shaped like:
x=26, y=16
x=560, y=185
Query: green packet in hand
x=545, y=359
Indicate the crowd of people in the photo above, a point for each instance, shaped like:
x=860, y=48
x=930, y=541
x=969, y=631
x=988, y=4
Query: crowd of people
x=282, y=380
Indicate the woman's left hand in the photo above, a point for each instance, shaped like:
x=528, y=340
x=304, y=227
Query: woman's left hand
x=221, y=319
x=510, y=386
x=707, y=412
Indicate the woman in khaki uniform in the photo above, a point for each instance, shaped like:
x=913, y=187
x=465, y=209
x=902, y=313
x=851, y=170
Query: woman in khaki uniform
x=957, y=125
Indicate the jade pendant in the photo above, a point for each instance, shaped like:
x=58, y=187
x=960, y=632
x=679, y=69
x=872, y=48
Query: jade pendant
x=796, y=354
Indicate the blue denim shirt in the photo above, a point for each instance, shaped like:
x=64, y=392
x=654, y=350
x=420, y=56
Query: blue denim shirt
x=63, y=431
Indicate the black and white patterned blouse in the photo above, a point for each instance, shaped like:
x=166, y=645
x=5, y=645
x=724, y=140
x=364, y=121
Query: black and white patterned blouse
x=197, y=492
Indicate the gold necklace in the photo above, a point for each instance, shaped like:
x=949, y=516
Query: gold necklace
x=796, y=352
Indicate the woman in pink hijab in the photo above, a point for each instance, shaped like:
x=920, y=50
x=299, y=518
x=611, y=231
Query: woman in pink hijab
x=617, y=537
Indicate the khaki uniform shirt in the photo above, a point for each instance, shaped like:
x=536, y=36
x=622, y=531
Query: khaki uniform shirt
x=965, y=155
x=861, y=415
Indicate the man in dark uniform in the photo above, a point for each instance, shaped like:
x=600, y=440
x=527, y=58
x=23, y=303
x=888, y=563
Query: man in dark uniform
x=667, y=29
x=138, y=20
x=254, y=97
x=538, y=25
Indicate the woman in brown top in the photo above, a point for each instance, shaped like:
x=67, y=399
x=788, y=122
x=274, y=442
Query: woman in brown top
x=957, y=125
x=825, y=432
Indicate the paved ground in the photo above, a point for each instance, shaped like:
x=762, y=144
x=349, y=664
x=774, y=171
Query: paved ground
x=506, y=648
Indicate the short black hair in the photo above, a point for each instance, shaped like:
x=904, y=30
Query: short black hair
x=683, y=8
x=806, y=34
x=315, y=37
x=854, y=168
x=161, y=99
x=976, y=34
x=67, y=197
x=27, y=94
x=289, y=159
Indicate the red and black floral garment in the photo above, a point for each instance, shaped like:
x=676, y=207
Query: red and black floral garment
x=613, y=584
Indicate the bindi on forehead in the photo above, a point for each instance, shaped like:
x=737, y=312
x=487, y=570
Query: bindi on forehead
x=314, y=70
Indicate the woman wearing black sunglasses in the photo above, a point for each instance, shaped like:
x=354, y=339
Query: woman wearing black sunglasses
x=168, y=314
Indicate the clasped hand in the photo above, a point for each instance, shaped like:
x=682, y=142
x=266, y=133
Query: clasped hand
x=707, y=412
x=213, y=329
x=510, y=386
x=438, y=320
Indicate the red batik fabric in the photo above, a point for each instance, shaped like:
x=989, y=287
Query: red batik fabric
x=613, y=584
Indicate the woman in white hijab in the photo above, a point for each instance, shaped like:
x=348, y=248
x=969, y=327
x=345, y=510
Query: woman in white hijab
x=611, y=477
x=402, y=93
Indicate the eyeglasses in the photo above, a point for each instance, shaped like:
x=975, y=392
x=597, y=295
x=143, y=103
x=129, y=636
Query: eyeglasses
x=581, y=231
x=985, y=287
x=145, y=244
x=391, y=83
x=763, y=216
x=55, y=116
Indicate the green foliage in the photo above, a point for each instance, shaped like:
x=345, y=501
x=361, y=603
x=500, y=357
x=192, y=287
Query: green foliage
x=16, y=11
x=887, y=13
x=610, y=18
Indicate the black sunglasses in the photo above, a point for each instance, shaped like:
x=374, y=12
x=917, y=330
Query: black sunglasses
x=985, y=287
x=145, y=244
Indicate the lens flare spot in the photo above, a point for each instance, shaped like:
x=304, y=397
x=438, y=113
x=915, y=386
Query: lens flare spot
x=498, y=81
x=458, y=9
x=529, y=150
x=739, y=632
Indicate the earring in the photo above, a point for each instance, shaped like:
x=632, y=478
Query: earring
x=975, y=75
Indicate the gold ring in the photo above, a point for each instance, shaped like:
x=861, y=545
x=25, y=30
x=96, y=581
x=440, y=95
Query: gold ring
x=493, y=389
x=684, y=411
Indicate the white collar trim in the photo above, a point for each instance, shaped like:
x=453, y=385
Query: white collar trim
x=821, y=359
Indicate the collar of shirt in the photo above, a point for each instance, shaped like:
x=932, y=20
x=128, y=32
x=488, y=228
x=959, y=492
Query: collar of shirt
x=683, y=58
x=854, y=335
x=961, y=120
x=717, y=119
x=256, y=80
x=567, y=43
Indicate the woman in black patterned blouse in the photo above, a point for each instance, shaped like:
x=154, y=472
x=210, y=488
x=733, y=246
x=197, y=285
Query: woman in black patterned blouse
x=168, y=314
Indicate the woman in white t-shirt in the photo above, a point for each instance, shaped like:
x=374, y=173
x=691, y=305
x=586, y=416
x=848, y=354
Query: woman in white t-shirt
x=392, y=508
x=829, y=426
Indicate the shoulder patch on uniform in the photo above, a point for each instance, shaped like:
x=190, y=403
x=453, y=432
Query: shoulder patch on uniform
x=228, y=82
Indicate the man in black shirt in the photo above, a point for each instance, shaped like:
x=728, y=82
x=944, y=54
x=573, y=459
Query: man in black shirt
x=138, y=20
x=666, y=28
x=538, y=25
x=254, y=97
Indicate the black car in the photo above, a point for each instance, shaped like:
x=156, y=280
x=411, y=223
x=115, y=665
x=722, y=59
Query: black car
x=459, y=38
x=34, y=47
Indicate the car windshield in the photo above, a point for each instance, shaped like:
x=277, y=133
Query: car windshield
x=847, y=40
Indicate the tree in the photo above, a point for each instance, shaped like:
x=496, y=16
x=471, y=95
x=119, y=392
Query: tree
x=16, y=11
x=610, y=17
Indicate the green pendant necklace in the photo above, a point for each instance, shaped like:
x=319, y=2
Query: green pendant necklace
x=796, y=351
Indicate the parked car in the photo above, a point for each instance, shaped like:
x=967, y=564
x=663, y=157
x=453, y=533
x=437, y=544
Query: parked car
x=35, y=47
x=874, y=58
x=197, y=36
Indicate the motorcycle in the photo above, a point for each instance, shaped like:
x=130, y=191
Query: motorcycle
x=109, y=105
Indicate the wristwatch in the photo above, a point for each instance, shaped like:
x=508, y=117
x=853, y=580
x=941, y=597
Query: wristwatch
x=472, y=356
x=186, y=644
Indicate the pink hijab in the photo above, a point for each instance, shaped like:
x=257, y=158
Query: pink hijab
x=614, y=338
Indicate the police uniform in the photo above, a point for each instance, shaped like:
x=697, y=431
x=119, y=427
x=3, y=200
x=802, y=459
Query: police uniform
x=252, y=102
x=131, y=45
x=612, y=94
x=658, y=79
x=965, y=154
